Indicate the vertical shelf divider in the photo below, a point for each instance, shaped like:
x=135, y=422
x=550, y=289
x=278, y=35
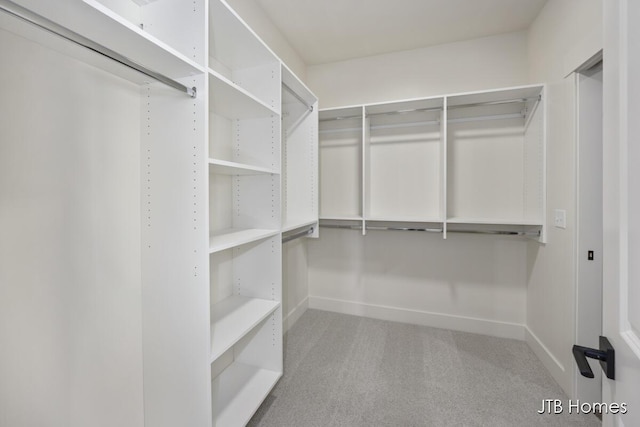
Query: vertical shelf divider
x=443, y=196
x=365, y=161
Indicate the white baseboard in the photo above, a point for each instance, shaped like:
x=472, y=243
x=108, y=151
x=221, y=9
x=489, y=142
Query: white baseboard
x=292, y=317
x=553, y=365
x=424, y=318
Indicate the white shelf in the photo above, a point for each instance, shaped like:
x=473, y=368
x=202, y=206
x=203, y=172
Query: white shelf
x=224, y=167
x=341, y=218
x=231, y=101
x=106, y=27
x=493, y=221
x=232, y=43
x=238, y=392
x=230, y=238
x=233, y=318
x=404, y=219
x=99, y=24
x=292, y=224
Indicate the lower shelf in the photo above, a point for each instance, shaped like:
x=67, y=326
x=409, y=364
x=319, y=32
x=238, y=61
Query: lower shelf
x=234, y=317
x=238, y=392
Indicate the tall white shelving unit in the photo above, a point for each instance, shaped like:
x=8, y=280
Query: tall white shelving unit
x=245, y=217
x=471, y=162
x=167, y=37
x=223, y=174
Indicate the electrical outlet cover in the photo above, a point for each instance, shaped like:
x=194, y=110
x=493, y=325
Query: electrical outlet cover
x=560, y=218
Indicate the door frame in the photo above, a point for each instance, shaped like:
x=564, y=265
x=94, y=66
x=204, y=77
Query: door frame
x=589, y=232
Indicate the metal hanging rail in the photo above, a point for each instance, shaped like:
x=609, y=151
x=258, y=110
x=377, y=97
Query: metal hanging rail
x=498, y=232
x=501, y=102
x=385, y=228
x=452, y=107
x=385, y=113
x=50, y=26
x=297, y=235
x=429, y=123
x=434, y=230
x=355, y=116
x=486, y=118
x=298, y=97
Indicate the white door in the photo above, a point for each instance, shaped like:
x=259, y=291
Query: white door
x=621, y=215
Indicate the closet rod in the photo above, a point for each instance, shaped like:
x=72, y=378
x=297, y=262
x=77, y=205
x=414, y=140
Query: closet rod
x=486, y=118
x=429, y=123
x=389, y=126
x=434, y=230
x=50, y=26
x=405, y=111
x=501, y=102
x=298, y=97
x=385, y=113
x=427, y=230
x=355, y=116
x=342, y=227
x=452, y=107
x=297, y=235
x=498, y=232
x=381, y=228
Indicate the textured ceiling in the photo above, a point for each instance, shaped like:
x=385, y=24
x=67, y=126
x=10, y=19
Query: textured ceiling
x=333, y=30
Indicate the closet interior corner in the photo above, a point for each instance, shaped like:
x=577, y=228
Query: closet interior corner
x=461, y=163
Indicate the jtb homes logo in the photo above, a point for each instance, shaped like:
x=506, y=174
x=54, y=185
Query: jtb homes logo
x=556, y=406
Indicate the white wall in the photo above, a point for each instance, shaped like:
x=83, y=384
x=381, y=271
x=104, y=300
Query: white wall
x=253, y=14
x=485, y=63
x=70, y=297
x=565, y=35
x=467, y=282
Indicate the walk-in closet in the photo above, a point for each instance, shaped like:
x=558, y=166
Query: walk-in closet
x=284, y=213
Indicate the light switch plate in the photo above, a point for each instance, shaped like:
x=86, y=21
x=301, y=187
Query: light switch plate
x=560, y=218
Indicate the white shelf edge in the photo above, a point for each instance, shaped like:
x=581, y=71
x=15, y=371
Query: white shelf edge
x=238, y=392
x=341, y=218
x=143, y=34
x=248, y=27
x=236, y=316
x=491, y=221
x=226, y=167
x=405, y=219
x=241, y=90
x=231, y=238
x=446, y=95
x=299, y=223
x=287, y=74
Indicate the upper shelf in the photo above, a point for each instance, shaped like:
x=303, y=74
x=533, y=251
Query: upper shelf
x=233, y=102
x=232, y=44
x=494, y=96
x=156, y=50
